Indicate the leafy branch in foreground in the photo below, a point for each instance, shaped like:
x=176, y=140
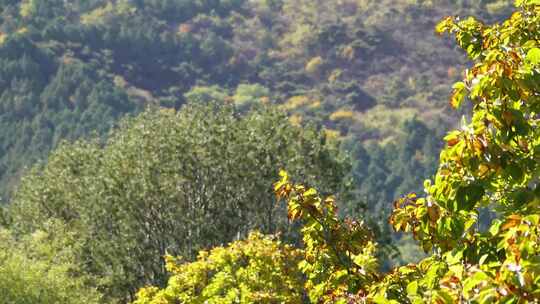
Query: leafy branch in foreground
x=492, y=162
x=338, y=254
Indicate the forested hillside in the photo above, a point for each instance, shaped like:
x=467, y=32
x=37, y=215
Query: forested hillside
x=138, y=137
x=361, y=69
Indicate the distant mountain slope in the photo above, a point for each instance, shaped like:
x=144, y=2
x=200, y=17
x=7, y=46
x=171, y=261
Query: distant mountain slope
x=360, y=68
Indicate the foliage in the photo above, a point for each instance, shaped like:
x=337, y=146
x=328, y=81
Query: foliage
x=397, y=166
x=204, y=95
x=314, y=65
x=42, y=268
x=491, y=162
x=257, y=270
x=250, y=94
x=368, y=73
x=60, y=60
x=337, y=259
x=146, y=192
x=338, y=254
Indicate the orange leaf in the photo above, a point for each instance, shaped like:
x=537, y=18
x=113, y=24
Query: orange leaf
x=452, y=142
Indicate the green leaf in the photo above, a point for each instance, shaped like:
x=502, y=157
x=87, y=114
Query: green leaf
x=487, y=296
x=433, y=275
x=473, y=281
x=460, y=91
x=442, y=296
x=533, y=56
x=495, y=227
x=483, y=259
x=515, y=172
x=468, y=196
x=412, y=288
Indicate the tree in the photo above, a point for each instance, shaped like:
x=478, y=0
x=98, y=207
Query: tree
x=42, y=268
x=172, y=182
x=338, y=256
x=247, y=95
x=491, y=162
x=206, y=94
x=259, y=269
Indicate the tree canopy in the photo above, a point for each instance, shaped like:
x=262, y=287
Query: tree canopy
x=173, y=182
x=42, y=267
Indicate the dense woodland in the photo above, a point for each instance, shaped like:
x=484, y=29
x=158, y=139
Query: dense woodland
x=136, y=135
x=368, y=71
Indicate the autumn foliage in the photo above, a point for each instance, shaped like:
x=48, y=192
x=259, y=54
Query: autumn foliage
x=490, y=166
x=257, y=270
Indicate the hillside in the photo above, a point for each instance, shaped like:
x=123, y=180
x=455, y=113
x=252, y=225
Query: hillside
x=361, y=69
